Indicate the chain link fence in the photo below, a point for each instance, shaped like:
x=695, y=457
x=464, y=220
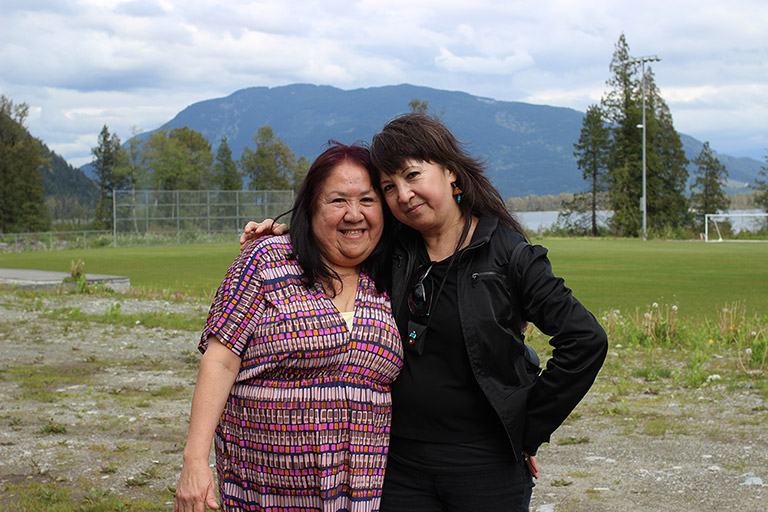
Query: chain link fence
x=165, y=217
x=55, y=240
x=168, y=217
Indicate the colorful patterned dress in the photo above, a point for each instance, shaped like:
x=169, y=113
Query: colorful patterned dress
x=306, y=425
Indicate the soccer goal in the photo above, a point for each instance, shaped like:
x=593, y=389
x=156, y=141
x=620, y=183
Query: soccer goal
x=721, y=227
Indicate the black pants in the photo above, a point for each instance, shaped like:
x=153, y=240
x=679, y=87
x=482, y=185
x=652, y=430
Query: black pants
x=501, y=489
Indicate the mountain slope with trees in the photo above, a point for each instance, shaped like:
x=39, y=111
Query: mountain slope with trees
x=529, y=148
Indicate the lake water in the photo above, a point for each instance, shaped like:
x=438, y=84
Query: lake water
x=536, y=221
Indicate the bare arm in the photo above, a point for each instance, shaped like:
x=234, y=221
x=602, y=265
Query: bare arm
x=218, y=369
x=255, y=230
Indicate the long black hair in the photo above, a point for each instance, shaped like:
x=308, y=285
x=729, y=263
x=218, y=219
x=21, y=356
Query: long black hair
x=306, y=248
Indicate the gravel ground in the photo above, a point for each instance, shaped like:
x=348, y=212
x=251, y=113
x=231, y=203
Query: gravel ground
x=115, y=418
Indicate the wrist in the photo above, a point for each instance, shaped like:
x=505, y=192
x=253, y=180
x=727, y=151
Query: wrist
x=190, y=458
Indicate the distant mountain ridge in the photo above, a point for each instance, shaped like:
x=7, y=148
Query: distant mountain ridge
x=528, y=148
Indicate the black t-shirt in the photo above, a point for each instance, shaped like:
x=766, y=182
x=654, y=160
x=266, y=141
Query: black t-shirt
x=440, y=415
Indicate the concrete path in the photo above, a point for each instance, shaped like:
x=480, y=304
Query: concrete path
x=24, y=278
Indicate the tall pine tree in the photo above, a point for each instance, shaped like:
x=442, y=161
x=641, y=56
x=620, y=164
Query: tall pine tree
x=708, y=191
x=107, y=157
x=591, y=152
x=667, y=171
x=761, y=188
x=623, y=110
x=226, y=175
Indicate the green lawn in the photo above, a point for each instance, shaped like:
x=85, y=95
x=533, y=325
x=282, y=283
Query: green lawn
x=604, y=273
x=628, y=274
x=190, y=269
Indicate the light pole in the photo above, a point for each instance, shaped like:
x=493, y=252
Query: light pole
x=642, y=61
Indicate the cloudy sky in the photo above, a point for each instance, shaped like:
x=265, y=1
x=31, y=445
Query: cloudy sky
x=80, y=64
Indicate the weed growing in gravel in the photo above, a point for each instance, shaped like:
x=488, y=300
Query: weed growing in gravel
x=572, y=440
x=53, y=428
x=48, y=383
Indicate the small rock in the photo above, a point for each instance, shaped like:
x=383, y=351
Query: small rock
x=751, y=479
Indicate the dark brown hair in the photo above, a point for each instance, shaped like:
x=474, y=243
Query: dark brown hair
x=422, y=137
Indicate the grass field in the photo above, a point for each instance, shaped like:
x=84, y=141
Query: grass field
x=605, y=274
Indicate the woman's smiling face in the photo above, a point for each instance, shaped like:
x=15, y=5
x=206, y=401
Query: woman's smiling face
x=348, y=219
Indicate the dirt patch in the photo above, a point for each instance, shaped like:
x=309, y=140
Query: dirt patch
x=91, y=404
x=105, y=405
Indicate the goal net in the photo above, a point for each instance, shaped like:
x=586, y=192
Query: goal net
x=735, y=227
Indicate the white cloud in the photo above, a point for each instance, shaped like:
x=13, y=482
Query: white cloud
x=487, y=65
x=83, y=63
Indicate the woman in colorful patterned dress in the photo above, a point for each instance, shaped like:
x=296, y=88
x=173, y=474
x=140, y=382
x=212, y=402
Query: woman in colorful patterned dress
x=299, y=353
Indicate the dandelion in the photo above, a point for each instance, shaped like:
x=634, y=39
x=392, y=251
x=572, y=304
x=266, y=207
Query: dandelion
x=655, y=305
x=711, y=340
x=749, y=351
x=647, y=316
x=674, y=307
x=754, y=333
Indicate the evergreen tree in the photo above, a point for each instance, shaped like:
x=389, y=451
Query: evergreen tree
x=666, y=171
x=761, y=187
x=667, y=165
x=272, y=165
x=225, y=173
x=591, y=152
x=107, y=157
x=708, y=194
x=22, y=194
x=623, y=110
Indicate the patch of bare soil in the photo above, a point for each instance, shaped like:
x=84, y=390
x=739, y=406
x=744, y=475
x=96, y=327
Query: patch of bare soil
x=96, y=405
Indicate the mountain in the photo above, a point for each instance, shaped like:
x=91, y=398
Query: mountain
x=69, y=193
x=528, y=148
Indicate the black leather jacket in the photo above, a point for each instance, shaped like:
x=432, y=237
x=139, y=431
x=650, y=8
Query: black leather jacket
x=493, y=301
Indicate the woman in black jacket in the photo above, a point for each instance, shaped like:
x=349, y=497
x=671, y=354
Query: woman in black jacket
x=470, y=407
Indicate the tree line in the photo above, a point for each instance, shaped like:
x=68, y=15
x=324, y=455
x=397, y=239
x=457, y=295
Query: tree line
x=609, y=152
x=182, y=159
